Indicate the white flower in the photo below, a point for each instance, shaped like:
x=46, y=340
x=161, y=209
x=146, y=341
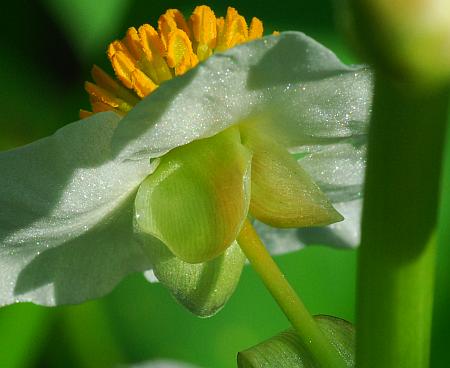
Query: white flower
x=67, y=201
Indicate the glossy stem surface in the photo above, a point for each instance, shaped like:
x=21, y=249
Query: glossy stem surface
x=397, y=255
x=313, y=339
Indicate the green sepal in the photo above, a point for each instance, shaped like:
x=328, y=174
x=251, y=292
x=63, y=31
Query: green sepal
x=282, y=193
x=203, y=288
x=197, y=199
x=286, y=350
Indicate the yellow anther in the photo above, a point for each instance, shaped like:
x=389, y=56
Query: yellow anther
x=180, y=55
x=220, y=27
x=256, y=29
x=108, y=83
x=170, y=21
x=145, y=58
x=179, y=20
x=142, y=55
x=142, y=85
x=204, y=25
x=98, y=106
x=154, y=51
x=232, y=14
x=151, y=40
x=116, y=46
x=126, y=70
x=236, y=30
x=132, y=43
x=123, y=66
x=100, y=94
x=204, y=28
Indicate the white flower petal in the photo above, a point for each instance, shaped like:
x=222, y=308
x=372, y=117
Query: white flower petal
x=76, y=187
x=289, y=83
x=276, y=240
x=338, y=168
x=346, y=233
x=150, y=276
x=66, y=215
x=294, y=87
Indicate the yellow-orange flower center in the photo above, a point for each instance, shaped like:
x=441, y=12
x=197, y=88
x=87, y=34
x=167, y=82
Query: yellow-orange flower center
x=147, y=57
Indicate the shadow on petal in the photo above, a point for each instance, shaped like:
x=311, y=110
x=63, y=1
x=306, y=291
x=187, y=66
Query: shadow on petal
x=295, y=58
x=84, y=268
x=56, y=181
x=147, y=116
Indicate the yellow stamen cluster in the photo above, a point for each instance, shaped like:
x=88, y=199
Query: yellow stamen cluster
x=147, y=57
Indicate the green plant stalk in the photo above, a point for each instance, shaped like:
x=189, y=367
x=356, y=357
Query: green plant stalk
x=312, y=337
x=397, y=255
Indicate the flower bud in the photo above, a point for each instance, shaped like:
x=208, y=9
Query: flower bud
x=409, y=39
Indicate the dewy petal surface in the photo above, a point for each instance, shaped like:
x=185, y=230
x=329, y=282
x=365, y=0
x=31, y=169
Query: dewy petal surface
x=66, y=216
x=66, y=199
x=297, y=90
x=295, y=87
x=337, y=168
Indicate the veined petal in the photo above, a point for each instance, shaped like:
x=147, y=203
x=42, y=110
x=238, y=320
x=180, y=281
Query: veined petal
x=283, y=194
x=346, y=233
x=337, y=168
x=198, y=197
x=203, y=288
x=66, y=219
x=75, y=188
x=296, y=89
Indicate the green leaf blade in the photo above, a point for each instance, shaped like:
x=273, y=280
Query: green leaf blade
x=285, y=350
x=66, y=229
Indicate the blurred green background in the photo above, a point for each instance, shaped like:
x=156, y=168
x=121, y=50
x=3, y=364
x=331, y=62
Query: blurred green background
x=48, y=47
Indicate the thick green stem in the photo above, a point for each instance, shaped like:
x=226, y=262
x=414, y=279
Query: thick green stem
x=397, y=255
x=294, y=309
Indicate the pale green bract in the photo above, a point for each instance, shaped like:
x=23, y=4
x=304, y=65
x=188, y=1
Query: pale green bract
x=67, y=201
